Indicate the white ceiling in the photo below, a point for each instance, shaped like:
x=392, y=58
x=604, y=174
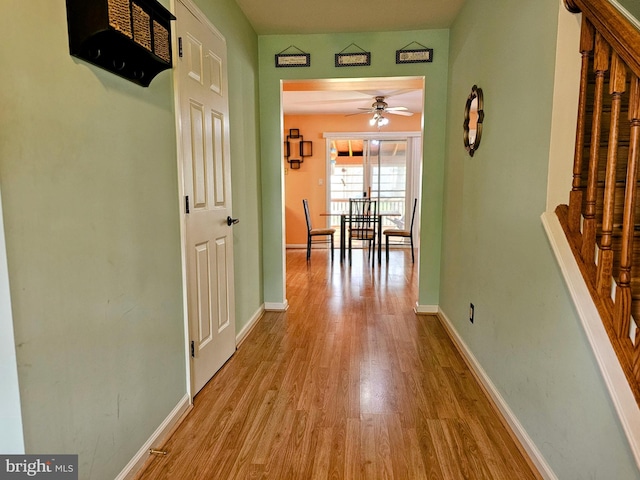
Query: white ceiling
x=349, y=96
x=279, y=17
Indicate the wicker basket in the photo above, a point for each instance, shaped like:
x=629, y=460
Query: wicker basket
x=141, y=26
x=120, y=16
x=161, y=42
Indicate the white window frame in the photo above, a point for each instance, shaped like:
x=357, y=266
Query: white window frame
x=414, y=162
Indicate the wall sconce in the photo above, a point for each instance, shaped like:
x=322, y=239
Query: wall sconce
x=296, y=147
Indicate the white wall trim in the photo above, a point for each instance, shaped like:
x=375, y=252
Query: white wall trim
x=11, y=429
x=180, y=205
x=276, y=307
x=516, y=427
x=566, y=88
x=242, y=334
x=157, y=438
x=612, y=373
x=426, y=309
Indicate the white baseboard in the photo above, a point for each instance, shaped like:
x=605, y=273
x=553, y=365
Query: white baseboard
x=242, y=334
x=157, y=438
x=513, y=422
x=276, y=307
x=426, y=309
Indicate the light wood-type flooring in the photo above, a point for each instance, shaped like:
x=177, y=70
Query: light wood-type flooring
x=348, y=383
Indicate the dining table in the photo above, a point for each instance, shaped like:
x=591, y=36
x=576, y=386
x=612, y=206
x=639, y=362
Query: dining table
x=344, y=216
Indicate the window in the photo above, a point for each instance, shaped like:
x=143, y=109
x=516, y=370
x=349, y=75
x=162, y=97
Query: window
x=382, y=166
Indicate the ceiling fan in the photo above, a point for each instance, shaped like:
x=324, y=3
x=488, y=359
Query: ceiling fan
x=379, y=108
x=382, y=107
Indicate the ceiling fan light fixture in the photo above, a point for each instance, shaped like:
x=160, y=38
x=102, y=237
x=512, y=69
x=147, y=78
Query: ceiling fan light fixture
x=378, y=119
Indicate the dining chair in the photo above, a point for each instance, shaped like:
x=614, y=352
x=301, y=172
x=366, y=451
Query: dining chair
x=316, y=232
x=396, y=232
x=362, y=220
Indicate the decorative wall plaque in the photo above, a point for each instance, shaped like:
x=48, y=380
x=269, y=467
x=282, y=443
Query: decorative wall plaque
x=353, y=59
x=300, y=59
x=414, y=55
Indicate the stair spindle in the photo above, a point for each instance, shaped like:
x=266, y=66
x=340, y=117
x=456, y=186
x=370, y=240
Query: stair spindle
x=600, y=66
x=587, y=36
x=617, y=86
x=623, y=291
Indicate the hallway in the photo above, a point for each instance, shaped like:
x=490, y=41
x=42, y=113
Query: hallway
x=348, y=383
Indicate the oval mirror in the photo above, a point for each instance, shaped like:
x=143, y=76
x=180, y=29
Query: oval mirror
x=473, y=117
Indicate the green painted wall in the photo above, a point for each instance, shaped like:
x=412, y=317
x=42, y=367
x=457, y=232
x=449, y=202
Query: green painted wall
x=322, y=49
x=89, y=185
x=91, y=221
x=631, y=6
x=495, y=254
x=89, y=193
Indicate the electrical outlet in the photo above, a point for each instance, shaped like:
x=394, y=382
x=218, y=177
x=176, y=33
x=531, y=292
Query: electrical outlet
x=472, y=311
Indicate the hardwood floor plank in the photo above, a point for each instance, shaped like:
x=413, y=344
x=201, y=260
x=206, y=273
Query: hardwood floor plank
x=428, y=451
x=349, y=383
x=321, y=460
x=338, y=459
x=352, y=455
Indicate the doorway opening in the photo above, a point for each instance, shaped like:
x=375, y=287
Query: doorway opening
x=352, y=154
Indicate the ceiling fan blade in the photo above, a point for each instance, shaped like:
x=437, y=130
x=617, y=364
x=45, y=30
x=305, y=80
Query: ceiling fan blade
x=335, y=100
x=391, y=109
x=404, y=113
x=358, y=113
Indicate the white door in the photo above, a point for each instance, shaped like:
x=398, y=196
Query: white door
x=204, y=127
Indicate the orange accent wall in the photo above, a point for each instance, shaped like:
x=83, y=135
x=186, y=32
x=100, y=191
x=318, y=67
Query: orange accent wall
x=310, y=181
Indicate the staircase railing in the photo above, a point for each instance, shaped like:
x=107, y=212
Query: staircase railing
x=602, y=220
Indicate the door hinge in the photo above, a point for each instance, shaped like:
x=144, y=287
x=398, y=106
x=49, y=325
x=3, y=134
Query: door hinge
x=180, y=47
x=186, y=204
x=193, y=349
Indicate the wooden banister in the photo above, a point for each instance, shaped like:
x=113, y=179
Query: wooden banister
x=603, y=218
x=623, y=37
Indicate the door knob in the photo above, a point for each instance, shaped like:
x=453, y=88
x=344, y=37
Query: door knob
x=232, y=221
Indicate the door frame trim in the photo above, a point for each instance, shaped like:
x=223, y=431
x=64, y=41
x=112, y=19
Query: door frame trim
x=193, y=8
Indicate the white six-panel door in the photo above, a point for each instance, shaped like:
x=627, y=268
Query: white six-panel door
x=204, y=145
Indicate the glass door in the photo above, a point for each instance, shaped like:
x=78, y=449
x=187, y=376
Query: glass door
x=349, y=173
x=388, y=160
x=373, y=168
